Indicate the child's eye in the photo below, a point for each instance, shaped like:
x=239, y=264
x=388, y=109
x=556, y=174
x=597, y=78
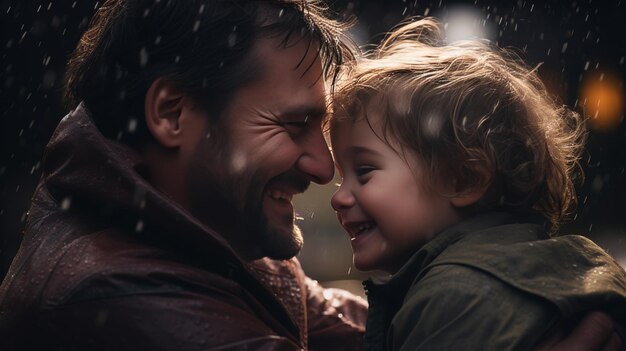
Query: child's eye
x=362, y=171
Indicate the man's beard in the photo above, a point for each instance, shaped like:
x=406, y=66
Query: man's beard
x=271, y=241
x=232, y=204
x=274, y=242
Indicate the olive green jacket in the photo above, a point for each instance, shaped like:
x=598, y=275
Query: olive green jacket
x=494, y=282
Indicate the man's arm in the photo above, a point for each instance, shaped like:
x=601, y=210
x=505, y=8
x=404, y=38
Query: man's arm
x=155, y=315
x=336, y=318
x=594, y=333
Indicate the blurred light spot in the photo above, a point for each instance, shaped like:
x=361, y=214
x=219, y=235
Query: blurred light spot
x=602, y=99
x=466, y=23
x=359, y=33
x=328, y=294
x=597, y=184
x=432, y=125
x=238, y=162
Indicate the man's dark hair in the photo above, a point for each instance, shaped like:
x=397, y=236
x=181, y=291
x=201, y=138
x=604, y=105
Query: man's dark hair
x=201, y=46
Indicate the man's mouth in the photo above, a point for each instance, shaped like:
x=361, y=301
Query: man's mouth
x=279, y=195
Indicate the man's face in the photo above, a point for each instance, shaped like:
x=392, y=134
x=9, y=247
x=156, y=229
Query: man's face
x=273, y=149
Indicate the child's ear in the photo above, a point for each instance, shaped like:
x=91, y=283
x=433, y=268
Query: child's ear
x=470, y=192
x=164, y=105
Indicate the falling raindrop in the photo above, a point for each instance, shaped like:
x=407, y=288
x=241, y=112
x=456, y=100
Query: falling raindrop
x=66, y=203
x=132, y=125
x=139, y=226
x=143, y=57
x=232, y=39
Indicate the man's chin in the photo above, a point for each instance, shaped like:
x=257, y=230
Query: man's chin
x=282, y=243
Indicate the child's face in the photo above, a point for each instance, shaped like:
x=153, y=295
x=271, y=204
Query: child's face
x=382, y=202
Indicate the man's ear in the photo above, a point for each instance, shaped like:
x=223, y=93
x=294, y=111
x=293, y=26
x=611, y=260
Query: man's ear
x=164, y=106
x=469, y=191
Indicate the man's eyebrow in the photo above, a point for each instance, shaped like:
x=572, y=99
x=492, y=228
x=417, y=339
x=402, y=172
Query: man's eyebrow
x=312, y=112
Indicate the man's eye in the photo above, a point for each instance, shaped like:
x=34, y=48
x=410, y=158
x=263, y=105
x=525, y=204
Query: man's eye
x=296, y=127
x=299, y=124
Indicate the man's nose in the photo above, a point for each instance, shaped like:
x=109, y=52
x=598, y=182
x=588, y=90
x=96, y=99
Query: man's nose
x=316, y=160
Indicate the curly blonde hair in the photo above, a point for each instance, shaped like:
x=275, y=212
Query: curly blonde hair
x=465, y=105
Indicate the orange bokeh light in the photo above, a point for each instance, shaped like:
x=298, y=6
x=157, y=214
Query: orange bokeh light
x=602, y=99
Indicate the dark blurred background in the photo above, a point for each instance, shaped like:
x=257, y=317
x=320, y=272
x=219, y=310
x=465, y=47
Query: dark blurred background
x=581, y=47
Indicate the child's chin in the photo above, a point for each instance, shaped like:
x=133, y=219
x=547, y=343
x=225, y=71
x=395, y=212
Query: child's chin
x=364, y=265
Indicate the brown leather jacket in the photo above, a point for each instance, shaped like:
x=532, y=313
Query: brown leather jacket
x=108, y=262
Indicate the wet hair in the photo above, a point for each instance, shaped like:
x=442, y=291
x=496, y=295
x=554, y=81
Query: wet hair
x=466, y=106
x=201, y=46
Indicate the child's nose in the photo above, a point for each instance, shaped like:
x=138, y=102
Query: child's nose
x=342, y=199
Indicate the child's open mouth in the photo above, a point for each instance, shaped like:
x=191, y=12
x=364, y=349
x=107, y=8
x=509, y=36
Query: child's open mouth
x=364, y=228
x=356, y=229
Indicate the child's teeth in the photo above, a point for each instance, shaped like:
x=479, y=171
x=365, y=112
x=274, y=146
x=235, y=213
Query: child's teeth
x=364, y=227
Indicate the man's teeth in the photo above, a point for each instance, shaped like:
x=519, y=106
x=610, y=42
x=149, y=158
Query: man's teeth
x=279, y=195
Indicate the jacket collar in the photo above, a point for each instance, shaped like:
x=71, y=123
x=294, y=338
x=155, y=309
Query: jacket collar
x=84, y=169
x=98, y=182
x=396, y=286
x=386, y=297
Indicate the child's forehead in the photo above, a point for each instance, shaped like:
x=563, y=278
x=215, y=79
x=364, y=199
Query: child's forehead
x=344, y=126
x=358, y=108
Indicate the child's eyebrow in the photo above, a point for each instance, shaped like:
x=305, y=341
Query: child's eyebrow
x=358, y=150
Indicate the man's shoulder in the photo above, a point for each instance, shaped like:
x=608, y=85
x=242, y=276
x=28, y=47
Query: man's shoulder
x=110, y=264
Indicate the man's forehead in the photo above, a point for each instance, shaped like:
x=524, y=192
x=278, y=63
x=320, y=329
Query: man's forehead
x=297, y=53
